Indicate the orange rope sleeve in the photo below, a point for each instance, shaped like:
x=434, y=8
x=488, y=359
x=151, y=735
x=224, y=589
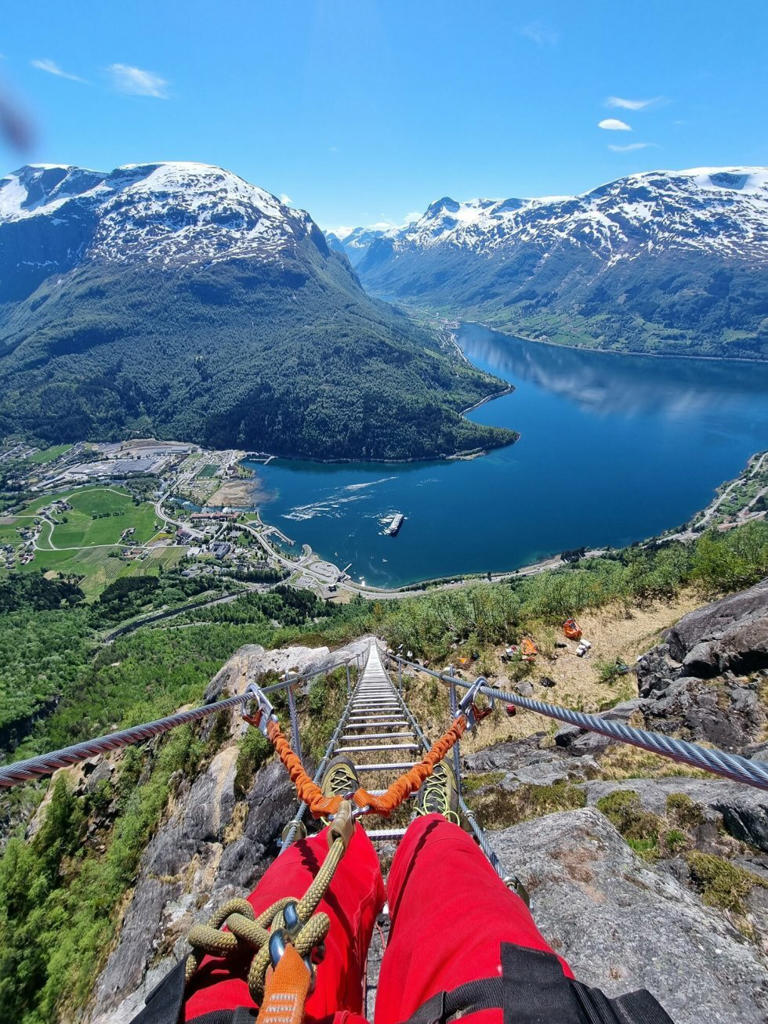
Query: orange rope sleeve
x=320, y=805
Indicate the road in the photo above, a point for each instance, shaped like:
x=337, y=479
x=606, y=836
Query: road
x=741, y=516
x=169, y=613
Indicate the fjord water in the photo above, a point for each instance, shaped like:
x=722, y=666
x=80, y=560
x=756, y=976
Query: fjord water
x=612, y=449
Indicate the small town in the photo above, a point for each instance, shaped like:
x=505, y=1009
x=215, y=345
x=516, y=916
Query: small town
x=116, y=509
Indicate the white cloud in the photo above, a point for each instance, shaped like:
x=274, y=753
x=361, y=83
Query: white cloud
x=540, y=34
x=285, y=200
x=632, y=147
x=52, y=68
x=618, y=101
x=137, y=81
x=612, y=124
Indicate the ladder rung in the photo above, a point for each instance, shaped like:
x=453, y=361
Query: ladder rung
x=379, y=746
x=386, y=719
x=381, y=712
x=377, y=725
x=377, y=713
x=374, y=736
x=395, y=766
x=385, y=833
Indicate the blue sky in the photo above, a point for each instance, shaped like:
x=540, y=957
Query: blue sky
x=363, y=111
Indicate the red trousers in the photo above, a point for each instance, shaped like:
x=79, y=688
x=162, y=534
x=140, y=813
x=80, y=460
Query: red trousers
x=449, y=914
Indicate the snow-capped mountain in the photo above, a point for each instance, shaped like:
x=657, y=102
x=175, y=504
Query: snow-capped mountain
x=178, y=299
x=356, y=243
x=706, y=209
x=540, y=264
x=167, y=214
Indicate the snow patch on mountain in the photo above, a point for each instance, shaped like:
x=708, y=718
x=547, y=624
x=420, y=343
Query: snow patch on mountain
x=172, y=213
x=724, y=209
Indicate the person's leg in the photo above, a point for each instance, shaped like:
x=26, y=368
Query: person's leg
x=354, y=899
x=449, y=914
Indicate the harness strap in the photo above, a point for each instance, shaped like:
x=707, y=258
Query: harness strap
x=286, y=990
x=164, y=1002
x=533, y=990
x=242, y=1015
x=485, y=994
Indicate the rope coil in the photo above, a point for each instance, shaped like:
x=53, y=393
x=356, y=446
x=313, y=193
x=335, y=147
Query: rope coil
x=246, y=931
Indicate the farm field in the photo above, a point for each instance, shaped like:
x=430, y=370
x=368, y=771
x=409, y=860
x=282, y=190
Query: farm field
x=99, y=569
x=99, y=515
x=84, y=540
x=49, y=454
x=8, y=527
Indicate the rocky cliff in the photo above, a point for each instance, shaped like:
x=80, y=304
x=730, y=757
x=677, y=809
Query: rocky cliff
x=214, y=843
x=644, y=874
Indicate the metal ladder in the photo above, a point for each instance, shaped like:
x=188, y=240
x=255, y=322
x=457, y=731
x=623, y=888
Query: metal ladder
x=379, y=724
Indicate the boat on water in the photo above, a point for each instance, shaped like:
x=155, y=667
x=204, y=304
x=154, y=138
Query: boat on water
x=394, y=527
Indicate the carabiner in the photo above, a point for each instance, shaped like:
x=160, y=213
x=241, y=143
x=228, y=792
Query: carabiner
x=264, y=711
x=467, y=706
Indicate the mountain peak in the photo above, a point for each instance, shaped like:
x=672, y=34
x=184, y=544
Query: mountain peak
x=170, y=212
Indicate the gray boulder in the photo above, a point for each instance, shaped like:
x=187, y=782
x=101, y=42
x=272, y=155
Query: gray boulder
x=700, y=683
x=622, y=925
x=527, y=762
x=581, y=741
x=731, y=634
x=725, y=713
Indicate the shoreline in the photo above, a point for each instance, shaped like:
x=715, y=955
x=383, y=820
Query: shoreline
x=612, y=351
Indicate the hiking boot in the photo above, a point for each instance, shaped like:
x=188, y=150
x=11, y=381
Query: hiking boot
x=340, y=778
x=439, y=795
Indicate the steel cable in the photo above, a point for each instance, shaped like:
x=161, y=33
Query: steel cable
x=45, y=764
x=730, y=766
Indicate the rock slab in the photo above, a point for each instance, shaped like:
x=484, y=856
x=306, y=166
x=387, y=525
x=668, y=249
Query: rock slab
x=622, y=925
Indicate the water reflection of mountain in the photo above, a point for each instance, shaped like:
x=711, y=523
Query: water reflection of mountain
x=611, y=384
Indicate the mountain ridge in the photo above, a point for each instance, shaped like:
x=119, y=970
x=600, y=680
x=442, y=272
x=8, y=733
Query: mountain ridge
x=657, y=262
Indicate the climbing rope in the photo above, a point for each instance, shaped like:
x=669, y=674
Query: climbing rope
x=287, y=921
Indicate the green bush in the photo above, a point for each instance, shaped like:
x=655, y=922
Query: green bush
x=58, y=900
x=254, y=750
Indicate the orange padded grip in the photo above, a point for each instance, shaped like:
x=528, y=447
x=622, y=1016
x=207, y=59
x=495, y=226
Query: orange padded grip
x=320, y=805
